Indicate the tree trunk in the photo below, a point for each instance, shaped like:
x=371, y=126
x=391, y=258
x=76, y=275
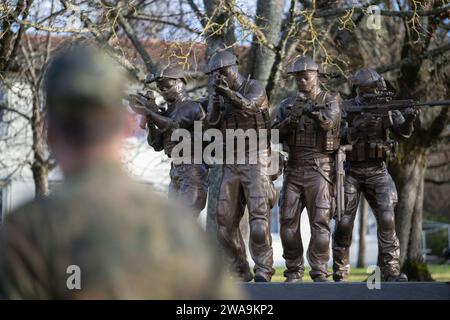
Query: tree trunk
x=409, y=168
x=409, y=174
x=40, y=177
x=214, y=41
x=39, y=167
x=269, y=16
x=218, y=37
x=214, y=181
x=283, y=48
x=363, y=215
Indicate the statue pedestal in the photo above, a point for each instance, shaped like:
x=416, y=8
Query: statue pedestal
x=348, y=291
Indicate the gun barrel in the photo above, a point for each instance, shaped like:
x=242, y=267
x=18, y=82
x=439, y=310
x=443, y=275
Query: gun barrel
x=384, y=94
x=395, y=105
x=433, y=103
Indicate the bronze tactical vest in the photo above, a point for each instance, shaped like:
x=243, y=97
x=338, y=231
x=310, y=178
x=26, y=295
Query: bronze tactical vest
x=309, y=135
x=373, y=144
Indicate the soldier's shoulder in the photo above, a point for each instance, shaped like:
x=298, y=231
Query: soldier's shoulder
x=190, y=103
x=333, y=96
x=30, y=213
x=189, y=110
x=255, y=85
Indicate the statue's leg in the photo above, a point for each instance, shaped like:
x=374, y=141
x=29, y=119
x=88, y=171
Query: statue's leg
x=291, y=206
x=258, y=190
x=381, y=194
x=229, y=214
x=318, y=200
x=342, y=236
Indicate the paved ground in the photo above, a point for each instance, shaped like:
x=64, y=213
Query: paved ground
x=349, y=291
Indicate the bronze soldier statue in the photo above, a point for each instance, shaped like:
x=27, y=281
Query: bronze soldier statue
x=372, y=145
x=188, y=181
x=120, y=240
x=309, y=130
x=236, y=102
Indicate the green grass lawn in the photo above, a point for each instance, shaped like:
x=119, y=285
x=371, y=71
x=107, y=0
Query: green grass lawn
x=439, y=272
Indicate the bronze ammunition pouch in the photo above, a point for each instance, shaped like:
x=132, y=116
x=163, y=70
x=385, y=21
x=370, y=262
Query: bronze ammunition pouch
x=256, y=121
x=237, y=120
x=309, y=135
x=372, y=151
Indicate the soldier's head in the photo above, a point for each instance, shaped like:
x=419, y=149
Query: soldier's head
x=368, y=82
x=171, y=82
x=84, y=89
x=225, y=63
x=306, y=73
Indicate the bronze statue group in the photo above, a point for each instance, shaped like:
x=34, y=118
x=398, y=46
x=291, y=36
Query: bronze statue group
x=314, y=127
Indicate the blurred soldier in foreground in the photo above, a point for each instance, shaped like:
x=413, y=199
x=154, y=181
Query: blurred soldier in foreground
x=372, y=146
x=239, y=103
x=188, y=181
x=127, y=242
x=309, y=128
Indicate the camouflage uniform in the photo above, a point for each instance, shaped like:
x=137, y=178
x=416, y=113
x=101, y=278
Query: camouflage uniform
x=127, y=242
x=367, y=173
x=308, y=177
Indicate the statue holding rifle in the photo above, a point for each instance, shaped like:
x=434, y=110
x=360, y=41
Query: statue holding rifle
x=239, y=104
x=373, y=120
x=309, y=128
x=188, y=181
x=369, y=132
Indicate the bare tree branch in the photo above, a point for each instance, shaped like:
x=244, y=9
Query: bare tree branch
x=200, y=16
x=169, y=23
x=131, y=34
x=25, y=116
x=102, y=40
x=8, y=37
x=328, y=13
x=280, y=52
x=337, y=79
x=437, y=181
x=426, y=55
